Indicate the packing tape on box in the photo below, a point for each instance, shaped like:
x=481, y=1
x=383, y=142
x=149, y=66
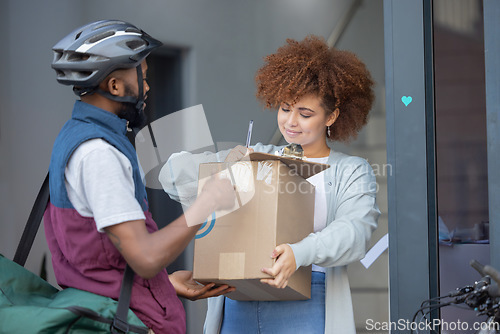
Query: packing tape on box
x=265, y=171
x=232, y=265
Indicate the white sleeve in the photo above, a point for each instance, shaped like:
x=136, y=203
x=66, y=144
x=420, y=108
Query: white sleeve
x=179, y=175
x=100, y=184
x=355, y=215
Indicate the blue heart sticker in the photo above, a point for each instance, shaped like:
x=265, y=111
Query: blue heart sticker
x=406, y=100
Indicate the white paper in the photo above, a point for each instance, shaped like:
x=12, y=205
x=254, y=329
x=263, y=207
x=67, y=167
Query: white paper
x=375, y=251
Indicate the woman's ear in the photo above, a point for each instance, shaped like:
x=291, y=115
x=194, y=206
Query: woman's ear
x=332, y=117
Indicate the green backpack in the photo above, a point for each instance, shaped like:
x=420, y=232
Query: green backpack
x=28, y=304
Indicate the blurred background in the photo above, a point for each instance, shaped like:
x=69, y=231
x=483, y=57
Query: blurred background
x=211, y=52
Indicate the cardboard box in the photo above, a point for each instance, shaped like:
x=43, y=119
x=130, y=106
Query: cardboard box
x=275, y=206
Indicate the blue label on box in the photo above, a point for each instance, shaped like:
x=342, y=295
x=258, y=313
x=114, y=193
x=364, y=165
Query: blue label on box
x=206, y=227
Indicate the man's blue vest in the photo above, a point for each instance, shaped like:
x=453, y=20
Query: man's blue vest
x=89, y=122
x=82, y=257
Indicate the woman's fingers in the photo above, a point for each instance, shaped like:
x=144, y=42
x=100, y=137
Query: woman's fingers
x=282, y=269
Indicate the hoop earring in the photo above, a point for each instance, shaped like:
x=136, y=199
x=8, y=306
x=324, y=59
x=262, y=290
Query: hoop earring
x=328, y=131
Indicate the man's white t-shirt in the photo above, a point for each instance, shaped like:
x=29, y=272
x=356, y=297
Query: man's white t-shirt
x=99, y=181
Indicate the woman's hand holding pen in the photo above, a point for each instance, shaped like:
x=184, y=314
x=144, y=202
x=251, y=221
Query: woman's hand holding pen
x=282, y=269
x=238, y=153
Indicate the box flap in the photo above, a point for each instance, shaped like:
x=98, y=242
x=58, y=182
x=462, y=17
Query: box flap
x=304, y=168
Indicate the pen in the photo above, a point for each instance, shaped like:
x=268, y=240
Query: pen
x=249, y=136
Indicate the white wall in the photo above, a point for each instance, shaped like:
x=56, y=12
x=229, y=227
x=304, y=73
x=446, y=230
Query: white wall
x=226, y=40
x=33, y=108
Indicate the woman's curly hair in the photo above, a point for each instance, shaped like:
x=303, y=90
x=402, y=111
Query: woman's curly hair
x=339, y=78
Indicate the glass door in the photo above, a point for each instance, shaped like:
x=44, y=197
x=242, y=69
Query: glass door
x=461, y=147
x=443, y=106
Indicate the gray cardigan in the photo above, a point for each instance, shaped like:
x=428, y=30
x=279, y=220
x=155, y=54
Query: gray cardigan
x=350, y=188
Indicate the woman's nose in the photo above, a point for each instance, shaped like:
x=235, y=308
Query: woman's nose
x=292, y=118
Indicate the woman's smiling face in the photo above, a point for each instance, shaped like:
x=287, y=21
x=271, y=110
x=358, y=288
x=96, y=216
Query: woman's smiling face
x=305, y=123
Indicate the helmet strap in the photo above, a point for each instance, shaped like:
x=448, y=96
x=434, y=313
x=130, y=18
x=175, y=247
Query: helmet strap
x=140, y=83
x=81, y=91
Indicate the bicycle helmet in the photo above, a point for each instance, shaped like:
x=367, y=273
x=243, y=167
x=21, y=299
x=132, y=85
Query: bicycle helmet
x=90, y=53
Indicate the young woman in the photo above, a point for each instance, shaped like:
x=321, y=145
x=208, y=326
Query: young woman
x=321, y=94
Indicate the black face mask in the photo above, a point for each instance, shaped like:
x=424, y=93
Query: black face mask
x=128, y=111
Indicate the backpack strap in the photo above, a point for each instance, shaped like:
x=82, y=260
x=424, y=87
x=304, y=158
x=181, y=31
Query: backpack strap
x=33, y=223
x=120, y=324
